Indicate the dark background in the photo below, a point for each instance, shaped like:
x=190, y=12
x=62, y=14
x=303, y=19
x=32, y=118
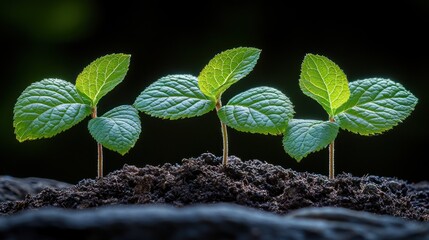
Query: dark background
x=57, y=39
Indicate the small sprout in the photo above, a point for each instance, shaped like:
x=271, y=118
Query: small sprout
x=262, y=110
x=366, y=107
x=51, y=106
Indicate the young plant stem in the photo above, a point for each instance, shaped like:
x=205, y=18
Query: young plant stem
x=224, y=136
x=331, y=156
x=99, y=149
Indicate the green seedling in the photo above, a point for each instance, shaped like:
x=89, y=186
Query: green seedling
x=366, y=107
x=51, y=106
x=262, y=110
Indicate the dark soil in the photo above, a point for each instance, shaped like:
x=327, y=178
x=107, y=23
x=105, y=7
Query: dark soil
x=250, y=183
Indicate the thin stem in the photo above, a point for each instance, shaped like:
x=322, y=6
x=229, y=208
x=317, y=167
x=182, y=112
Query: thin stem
x=99, y=149
x=100, y=160
x=331, y=156
x=224, y=136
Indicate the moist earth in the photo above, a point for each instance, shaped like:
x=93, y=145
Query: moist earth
x=251, y=183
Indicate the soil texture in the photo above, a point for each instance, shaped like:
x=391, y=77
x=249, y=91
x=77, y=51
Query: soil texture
x=251, y=183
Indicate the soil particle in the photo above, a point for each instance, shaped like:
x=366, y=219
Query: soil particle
x=251, y=183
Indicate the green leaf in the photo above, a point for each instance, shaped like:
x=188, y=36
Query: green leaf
x=322, y=80
x=118, y=129
x=47, y=108
x=102, y=75
x=174, y=97
x=303, y=137
x=259, y=110
x=375, y=105
x=225, y=69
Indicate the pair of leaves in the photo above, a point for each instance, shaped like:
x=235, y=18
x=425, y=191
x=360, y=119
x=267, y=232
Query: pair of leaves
x=51, y=106
x=366, y=107
x=259, y=110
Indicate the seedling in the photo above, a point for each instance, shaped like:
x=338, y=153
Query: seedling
x=51, y=106
x=262, y=110
x=366, y=107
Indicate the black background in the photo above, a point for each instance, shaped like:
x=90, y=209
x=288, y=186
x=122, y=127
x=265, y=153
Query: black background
x=57, y=39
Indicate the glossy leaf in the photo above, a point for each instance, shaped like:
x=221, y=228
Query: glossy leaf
x=102, y=75
x=117, y=129
x=225, y=69
x=174, y=97
x=303, y=137
x=376, y=105
x=47, y=108
x=322, y=80
x=259, y=110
